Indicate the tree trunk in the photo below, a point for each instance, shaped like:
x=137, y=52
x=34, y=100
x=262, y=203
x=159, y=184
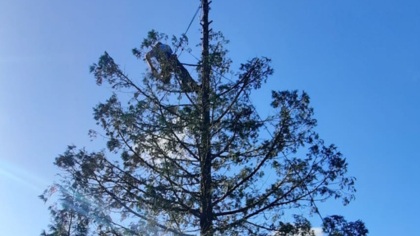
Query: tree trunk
x=206, y=220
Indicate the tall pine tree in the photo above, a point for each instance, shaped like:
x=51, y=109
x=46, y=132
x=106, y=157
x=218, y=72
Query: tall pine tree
x=201, y=162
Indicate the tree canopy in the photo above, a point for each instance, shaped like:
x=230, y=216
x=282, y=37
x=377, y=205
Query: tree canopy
x=182, y=162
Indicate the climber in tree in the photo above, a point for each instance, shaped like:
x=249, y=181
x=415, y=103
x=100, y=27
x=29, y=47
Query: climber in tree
x=169, y=64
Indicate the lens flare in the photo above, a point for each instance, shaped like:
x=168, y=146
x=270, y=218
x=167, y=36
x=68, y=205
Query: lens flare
x=18, y=175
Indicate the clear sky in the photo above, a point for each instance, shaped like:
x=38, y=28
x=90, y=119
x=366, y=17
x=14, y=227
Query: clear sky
x=358, y=60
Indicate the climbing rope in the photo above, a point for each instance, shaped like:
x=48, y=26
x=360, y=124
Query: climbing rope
x=188, y=28
x=192, y=20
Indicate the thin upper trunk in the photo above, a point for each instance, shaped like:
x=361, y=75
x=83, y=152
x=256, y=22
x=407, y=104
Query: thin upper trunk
x=206, y=220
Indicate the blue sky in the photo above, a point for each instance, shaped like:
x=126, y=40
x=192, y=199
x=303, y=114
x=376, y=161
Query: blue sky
x=358, y=60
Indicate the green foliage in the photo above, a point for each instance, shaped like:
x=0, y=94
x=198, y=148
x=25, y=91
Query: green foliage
x=69, y=219
x=337, y=226
x=259, y=166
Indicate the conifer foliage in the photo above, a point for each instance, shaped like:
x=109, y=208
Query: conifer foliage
x=199, y=163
